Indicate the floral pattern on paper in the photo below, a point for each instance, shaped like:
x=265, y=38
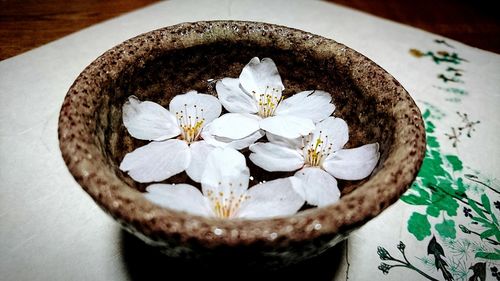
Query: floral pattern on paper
x=454, y=207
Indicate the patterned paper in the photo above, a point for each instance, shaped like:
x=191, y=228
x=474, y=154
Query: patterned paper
x=450, y=228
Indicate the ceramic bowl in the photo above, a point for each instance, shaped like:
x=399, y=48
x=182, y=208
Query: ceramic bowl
x=166, y=62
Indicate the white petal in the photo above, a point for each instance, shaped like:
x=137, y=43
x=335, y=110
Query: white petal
x=193, y=104
x=287, y=126
x=179, y=197
x=319, y=187
x=235, y=125
x=298, y=186
x=333, y=131
x=272, y=157
x=246, y=141
x=148, y=120
x=199, y=152
x=271, y=199
x=296, y=143
x=353, y=164
x=208, y=136
x=314, y=105
x=260, y=77
x=157, y=161
x=233, y=98
x=225, y=172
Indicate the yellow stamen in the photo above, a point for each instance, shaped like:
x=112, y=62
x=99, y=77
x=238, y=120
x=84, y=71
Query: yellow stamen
x=225, y=207
x=190, y=124
x=268, y=101
x=317, y=150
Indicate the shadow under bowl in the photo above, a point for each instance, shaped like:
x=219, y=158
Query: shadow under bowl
x=160, y=64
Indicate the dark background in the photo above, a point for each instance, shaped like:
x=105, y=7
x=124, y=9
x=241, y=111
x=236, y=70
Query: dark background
x=27, y=24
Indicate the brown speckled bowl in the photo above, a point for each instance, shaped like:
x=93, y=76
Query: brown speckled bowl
x=163, y=63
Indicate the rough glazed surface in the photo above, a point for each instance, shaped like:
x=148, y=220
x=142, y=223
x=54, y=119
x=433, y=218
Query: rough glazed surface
x=163, y=63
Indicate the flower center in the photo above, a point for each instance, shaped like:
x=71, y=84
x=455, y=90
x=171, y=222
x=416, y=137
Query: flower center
x=225, y=206
x=267, y=101
x=190, y=123
x=317, y=150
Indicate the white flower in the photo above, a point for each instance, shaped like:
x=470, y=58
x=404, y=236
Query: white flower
x=321, y=159
x=255, y=102
x=225, y=192
x=164, y=156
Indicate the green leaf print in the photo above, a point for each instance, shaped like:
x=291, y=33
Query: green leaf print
x=423, y=197
x=444, y=202
x=419, y=226
x=455, y=162
x=476, y=208
x=429, y=127
x=441, y=186
x=489, y=232
x=447, y=229
x=489, y=255
x=487, y=206
x=426, y=114
x=432, y=142
x=486, y=203
x=484, y=222
x=433, y=211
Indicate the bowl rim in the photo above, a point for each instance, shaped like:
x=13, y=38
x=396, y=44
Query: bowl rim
x=128, y=206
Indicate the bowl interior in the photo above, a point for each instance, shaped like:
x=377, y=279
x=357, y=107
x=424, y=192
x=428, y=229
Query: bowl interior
x=166, y=73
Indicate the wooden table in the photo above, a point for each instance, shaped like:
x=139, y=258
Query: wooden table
x=27, y=24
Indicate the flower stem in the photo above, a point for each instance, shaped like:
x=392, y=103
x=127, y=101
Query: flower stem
x=482, y=183
x=407, y=264
x=404, y=256
x=488, y=239
x=422, y=273
x=434, y=188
